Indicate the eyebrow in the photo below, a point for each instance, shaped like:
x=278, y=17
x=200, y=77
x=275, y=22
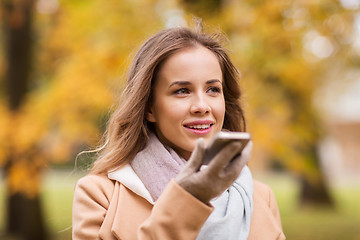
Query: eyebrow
x=188, y=83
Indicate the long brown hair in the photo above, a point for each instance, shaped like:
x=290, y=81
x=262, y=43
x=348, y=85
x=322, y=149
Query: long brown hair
x=128, y=130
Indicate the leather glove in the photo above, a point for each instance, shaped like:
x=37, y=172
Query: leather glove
x=221, y=172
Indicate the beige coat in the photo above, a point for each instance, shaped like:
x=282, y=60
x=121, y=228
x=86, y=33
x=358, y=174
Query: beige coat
x=106, y=209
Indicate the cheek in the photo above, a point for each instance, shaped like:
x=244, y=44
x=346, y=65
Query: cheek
x=170, y=111
x=219, y=111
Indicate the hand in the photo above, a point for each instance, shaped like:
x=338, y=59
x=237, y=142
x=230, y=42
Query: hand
x=218, y=176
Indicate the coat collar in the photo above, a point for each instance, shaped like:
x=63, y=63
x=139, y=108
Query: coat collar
x=128, y=178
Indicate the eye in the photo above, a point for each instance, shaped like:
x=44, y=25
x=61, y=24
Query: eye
x=182, y=91
x=214, y=90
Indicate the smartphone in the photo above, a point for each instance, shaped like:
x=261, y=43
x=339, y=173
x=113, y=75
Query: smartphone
x=221, y=139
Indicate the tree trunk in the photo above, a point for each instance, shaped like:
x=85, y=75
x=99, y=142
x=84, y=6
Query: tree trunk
x=314, y=190
x=18, y=42
x=314, y=194
x=24, y=215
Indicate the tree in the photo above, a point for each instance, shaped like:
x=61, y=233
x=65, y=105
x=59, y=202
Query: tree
x=61, y=69
x=24, y=209
x=273, y=44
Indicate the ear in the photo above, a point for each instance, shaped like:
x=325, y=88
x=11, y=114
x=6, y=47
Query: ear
x=150, y=116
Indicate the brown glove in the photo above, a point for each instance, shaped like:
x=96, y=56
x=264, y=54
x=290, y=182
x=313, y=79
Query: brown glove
x=222, y=171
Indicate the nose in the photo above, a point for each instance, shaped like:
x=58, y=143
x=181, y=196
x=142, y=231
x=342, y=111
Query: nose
x=200, y=105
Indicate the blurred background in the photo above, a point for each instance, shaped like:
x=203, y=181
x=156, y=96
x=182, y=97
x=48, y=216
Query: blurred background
x=62, y=67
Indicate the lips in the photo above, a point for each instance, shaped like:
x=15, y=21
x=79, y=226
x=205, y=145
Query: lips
x=199, y=127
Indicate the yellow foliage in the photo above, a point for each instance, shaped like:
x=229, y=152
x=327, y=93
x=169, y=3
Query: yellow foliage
x=82, y=58
x=24, y=177
x=83, y=55
x=267, y=45
x=4, y=134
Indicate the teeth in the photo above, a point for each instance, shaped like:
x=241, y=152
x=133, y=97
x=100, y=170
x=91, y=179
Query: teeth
x=203, y=126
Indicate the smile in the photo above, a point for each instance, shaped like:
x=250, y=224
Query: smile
x=200, y=127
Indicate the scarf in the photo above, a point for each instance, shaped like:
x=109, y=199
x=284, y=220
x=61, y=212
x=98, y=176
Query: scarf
x=156, y=165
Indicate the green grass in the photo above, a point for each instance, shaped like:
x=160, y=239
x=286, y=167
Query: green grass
x=57, y=196
x=343, y=222
x=315, y=223
x=57, y=200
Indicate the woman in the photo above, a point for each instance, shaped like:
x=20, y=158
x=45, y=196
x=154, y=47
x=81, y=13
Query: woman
x=149, y=182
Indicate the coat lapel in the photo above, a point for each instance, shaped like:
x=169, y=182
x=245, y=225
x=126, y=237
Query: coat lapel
x=130, y=211
x=264, y=224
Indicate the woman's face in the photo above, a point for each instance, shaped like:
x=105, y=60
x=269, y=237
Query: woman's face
x=188, y=100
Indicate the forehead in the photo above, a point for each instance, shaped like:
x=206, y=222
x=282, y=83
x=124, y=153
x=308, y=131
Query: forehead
x=190, y=64
x=191, y=53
